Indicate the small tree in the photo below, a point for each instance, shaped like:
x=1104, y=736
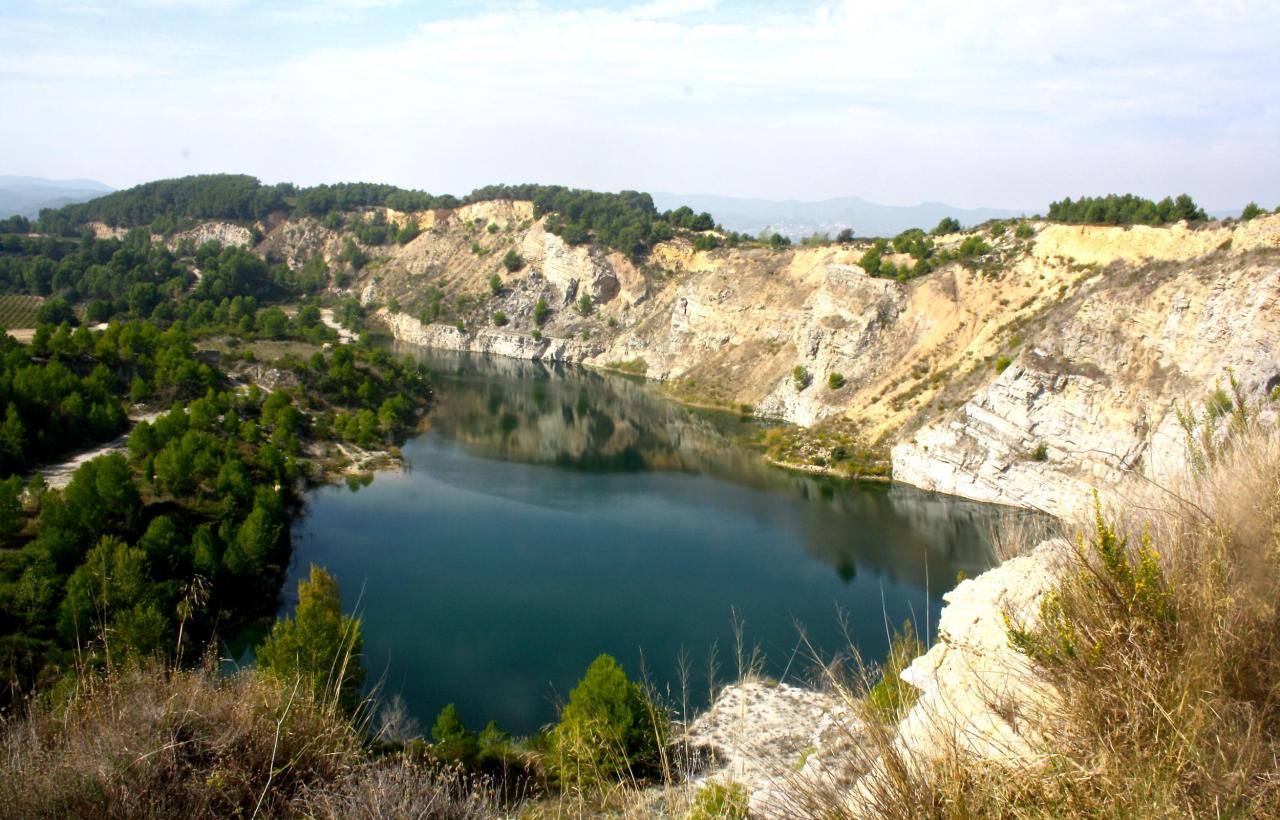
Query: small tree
x=948, y=224
x=499, y=318
x=800, y=376
x=540, y=311
x=1250, y=211
x=609, y=729
x=512, y=261
x=845, y=235
x=835, y=381
x=584, y=305
x=495, y=284
x=319, y=646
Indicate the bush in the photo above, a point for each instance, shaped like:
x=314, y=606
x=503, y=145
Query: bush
x=540, y=311
x=319, y=645
x=499, y=318
x=1002, y=364
x=1024, y=231
x=584, y=305
x=1250, y=211
x=495, y=284
x=512, y=261
x=717, y=801
x=835, y=381
x=608, y=730
x=800, y=377
x=948, y=224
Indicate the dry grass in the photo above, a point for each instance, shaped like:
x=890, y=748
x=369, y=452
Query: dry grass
x=1162, y=648
x=154, y=742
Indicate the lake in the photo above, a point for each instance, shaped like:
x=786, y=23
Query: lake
x=549, y=514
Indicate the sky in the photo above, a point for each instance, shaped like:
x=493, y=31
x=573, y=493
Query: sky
x=998, y=104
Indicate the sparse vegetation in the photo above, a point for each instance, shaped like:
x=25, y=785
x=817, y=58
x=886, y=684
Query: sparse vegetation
x=835, y=380
x=1115, y=209
x=800, y=377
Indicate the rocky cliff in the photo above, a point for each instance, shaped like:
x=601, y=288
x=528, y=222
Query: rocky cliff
x=1048, y=365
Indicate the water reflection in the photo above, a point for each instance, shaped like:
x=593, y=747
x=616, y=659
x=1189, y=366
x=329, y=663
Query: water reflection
x=580, y=419
x=551, y=514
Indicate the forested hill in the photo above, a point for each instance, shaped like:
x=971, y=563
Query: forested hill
x=625, y=221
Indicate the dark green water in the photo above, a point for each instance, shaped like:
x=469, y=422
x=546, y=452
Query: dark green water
x=549, y=515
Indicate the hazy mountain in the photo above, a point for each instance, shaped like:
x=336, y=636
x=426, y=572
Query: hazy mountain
x=27, y=195
x=796, y=219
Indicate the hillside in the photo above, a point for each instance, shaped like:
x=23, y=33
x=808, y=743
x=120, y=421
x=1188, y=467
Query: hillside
x=27, y=196
x=1039, y=368
x=797, y=218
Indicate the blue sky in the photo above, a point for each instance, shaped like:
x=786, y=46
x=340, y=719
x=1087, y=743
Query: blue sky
x=1006, y=104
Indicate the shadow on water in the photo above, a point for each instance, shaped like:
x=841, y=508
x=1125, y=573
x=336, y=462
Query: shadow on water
x=553, y=513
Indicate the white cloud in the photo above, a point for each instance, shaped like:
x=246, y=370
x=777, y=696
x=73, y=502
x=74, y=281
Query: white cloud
x=1003, y=103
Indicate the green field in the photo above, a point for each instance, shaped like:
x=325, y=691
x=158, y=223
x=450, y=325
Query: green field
x=18, y=311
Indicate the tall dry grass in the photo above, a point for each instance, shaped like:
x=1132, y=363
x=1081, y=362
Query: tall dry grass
x=1161, y=644
x=150, y=741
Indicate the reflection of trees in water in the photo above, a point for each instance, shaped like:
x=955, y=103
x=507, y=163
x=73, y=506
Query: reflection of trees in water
x=523, y=411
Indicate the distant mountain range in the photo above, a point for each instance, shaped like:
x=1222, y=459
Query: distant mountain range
x=27, y=195
x=797, y=219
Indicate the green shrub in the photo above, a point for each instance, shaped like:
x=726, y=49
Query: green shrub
x=1041, y=452
x=948, y=224
x=717, y=801
x=1250, y=211
x=835, y=381
x=540, y=311
x=800, y=377
x=512, y=261
x=1003, y=363
x=319, y=645
x=537, y=335
x=499, y=318
x=609, y=730
x=584, y=305
x=1024, y=231
x=495, y=284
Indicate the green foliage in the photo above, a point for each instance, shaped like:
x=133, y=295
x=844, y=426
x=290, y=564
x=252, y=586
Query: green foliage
x=1130, y=580
x=214, y=196
x=495, y=285
x=512, y=261
x=499, y=318
x=1041, y=453
x=319, y=646
x=453, y=742
x=584, y=305
x=1024, y=231
x=608, y=730
x=800, y=377
x=718, y=801
x=777, y=241
x=891, y=697
x=1002, y=364
x=845, y=235
x=972, y=246
x=1127, y=209
x=1251, y=211
x=948, y=224
x=835, y=380
x=540, y=311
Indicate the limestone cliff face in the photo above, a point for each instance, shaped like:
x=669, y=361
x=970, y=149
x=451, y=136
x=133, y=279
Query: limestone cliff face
x=1095, y=395
x=1104, y=330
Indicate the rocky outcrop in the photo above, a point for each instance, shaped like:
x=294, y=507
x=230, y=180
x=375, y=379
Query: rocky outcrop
x=978, y=697
x=485, y=340
x=223, y=233
x=1097, y=394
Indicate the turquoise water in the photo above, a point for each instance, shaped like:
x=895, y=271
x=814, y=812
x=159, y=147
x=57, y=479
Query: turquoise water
x=549, y=515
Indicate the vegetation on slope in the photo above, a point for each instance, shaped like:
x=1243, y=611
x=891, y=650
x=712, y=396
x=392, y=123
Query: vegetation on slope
x=1160, y=647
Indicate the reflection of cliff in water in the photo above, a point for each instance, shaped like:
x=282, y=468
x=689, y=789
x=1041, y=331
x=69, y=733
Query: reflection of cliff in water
x=521, y=411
